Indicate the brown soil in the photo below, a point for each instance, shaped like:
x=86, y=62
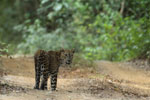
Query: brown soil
x=110, y=81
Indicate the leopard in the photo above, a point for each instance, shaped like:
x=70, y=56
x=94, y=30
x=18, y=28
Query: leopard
x=47, y=65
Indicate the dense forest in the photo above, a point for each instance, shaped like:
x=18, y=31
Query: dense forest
x=113, y=30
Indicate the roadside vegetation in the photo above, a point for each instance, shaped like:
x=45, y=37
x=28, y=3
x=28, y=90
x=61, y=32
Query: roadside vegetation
x=113, y=30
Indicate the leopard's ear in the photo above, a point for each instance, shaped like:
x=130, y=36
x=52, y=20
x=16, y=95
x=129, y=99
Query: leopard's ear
x=62, y=50
x=58, y=54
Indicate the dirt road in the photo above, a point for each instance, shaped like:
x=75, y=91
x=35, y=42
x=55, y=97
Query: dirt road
x=110, y=81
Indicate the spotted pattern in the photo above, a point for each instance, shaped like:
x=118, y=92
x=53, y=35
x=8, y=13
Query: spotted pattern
x=47, y=64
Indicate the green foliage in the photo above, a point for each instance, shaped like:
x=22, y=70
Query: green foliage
x=137, y=8
x=8, y=19
x=36, y=37
x=3, y=49
x=100, y=29
x=126, y=41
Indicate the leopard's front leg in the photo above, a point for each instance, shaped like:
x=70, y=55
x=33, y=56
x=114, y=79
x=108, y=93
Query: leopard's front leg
x=37, y=74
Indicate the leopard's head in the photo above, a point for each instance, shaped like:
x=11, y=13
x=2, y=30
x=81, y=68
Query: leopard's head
x=66, y=56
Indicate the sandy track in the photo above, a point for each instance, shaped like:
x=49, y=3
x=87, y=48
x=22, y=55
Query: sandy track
x=111, y=81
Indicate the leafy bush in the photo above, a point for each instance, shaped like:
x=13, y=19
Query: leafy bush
x=36, y=37
x=104, y=29
x=3, y=49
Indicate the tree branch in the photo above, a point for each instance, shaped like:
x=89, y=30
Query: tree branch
x=122, y=7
